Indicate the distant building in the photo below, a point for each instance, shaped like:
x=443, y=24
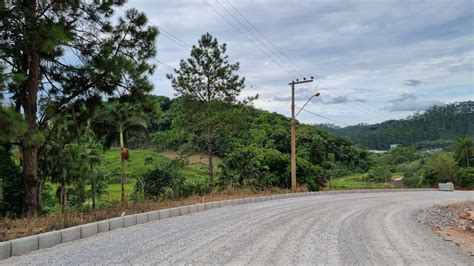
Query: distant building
x=393, y=146
x=434, y=150
x=378, y=151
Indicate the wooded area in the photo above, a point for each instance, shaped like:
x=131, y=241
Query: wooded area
x=437, y=127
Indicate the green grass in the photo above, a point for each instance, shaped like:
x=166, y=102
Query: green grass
x=136, y=167
x=195, y=172
x=114, y=191
x=356, y=181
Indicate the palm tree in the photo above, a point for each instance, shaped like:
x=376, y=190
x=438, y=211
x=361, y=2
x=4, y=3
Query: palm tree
x=94, y=149
x=463, y=150
x=114, y=121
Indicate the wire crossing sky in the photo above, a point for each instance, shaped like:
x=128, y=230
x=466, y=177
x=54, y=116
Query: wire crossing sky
x=372, y=60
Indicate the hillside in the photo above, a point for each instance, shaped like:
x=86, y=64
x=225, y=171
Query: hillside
x=437, y=127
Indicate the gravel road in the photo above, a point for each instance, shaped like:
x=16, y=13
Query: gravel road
x=374, y=228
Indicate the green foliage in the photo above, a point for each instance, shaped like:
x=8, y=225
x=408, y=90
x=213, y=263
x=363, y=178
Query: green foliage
x=119, y=117
x=379, y=174
x=12, y=125
x=401, y=155
x=210, y=86
x=262, y=168
x=311, y=176
x=464, y=151
x=11, y=184
x=433, y=128
x=164, y=181
x=466, y=177
x=412, y=180
x=441, y=168
x=74, y=53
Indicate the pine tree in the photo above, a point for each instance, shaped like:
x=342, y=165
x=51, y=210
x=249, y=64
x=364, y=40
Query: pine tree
x=210, y=85
x=57, y=52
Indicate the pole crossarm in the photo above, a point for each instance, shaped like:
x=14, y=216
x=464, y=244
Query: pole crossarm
x=300, y=81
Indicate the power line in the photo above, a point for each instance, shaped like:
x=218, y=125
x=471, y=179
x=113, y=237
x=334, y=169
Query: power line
x=321, y=116
x=264, y=45
x=267, y=39
x=174, y=39
x=249, y=39
x=283, y=55
x=183, y=44
x=281, y=52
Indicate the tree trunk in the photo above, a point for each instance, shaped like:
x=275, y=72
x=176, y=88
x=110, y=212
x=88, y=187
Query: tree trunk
x=30, y=161
x=467, y=156
x=210, y=167
x=93, y=187
x=122, y=170
x=32, y=203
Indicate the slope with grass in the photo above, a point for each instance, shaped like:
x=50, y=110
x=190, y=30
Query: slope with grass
x=356, y=181
x=139, y=163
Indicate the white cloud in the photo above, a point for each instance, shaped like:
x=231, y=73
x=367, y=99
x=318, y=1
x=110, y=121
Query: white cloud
x=410, y=102
x=359, y=51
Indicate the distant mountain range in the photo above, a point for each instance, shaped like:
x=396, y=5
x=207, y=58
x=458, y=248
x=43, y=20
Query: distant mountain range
x=437, y=127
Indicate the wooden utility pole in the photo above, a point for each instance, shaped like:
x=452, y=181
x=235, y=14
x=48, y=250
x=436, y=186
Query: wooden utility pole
x=293, y=131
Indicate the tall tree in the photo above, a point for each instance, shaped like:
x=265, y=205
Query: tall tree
x=56, y=52
x=210, y=84
x=113, y=122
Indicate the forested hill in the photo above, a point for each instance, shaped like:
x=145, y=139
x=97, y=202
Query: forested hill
x=436, y=127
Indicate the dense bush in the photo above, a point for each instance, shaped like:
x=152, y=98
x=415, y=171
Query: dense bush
x=401, y=155
x=441, y=168
x=412, y=180
x=263, y=168
x=164, y=181
x=11, y=184
x=466, y=177
x=378, y=174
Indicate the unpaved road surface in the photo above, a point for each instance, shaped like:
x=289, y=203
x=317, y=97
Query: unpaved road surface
x=373, y=228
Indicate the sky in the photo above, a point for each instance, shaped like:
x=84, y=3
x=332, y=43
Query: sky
x=371, y=60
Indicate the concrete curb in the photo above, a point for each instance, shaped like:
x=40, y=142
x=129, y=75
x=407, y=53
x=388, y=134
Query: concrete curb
x=116, y=223
x=129, y=220
x=142, y=218
x=104, y=226
x=5, y=250
x=49, y=239
x=70, y=234
x=23, y=245
x=88, y=230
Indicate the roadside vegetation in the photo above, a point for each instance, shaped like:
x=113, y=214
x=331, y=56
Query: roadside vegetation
x=83, y=139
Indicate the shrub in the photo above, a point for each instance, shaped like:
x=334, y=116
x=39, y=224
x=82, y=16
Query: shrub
x=261, y=168
x=401, y=155
x=379, y=174
x=311, y=176
x=11, y=184
x=441, y=168
x=412, y=181
x=466, y=177
x=164, y=181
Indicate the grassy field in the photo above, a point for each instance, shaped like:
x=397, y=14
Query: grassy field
x=356, y=181
x=195, y=171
